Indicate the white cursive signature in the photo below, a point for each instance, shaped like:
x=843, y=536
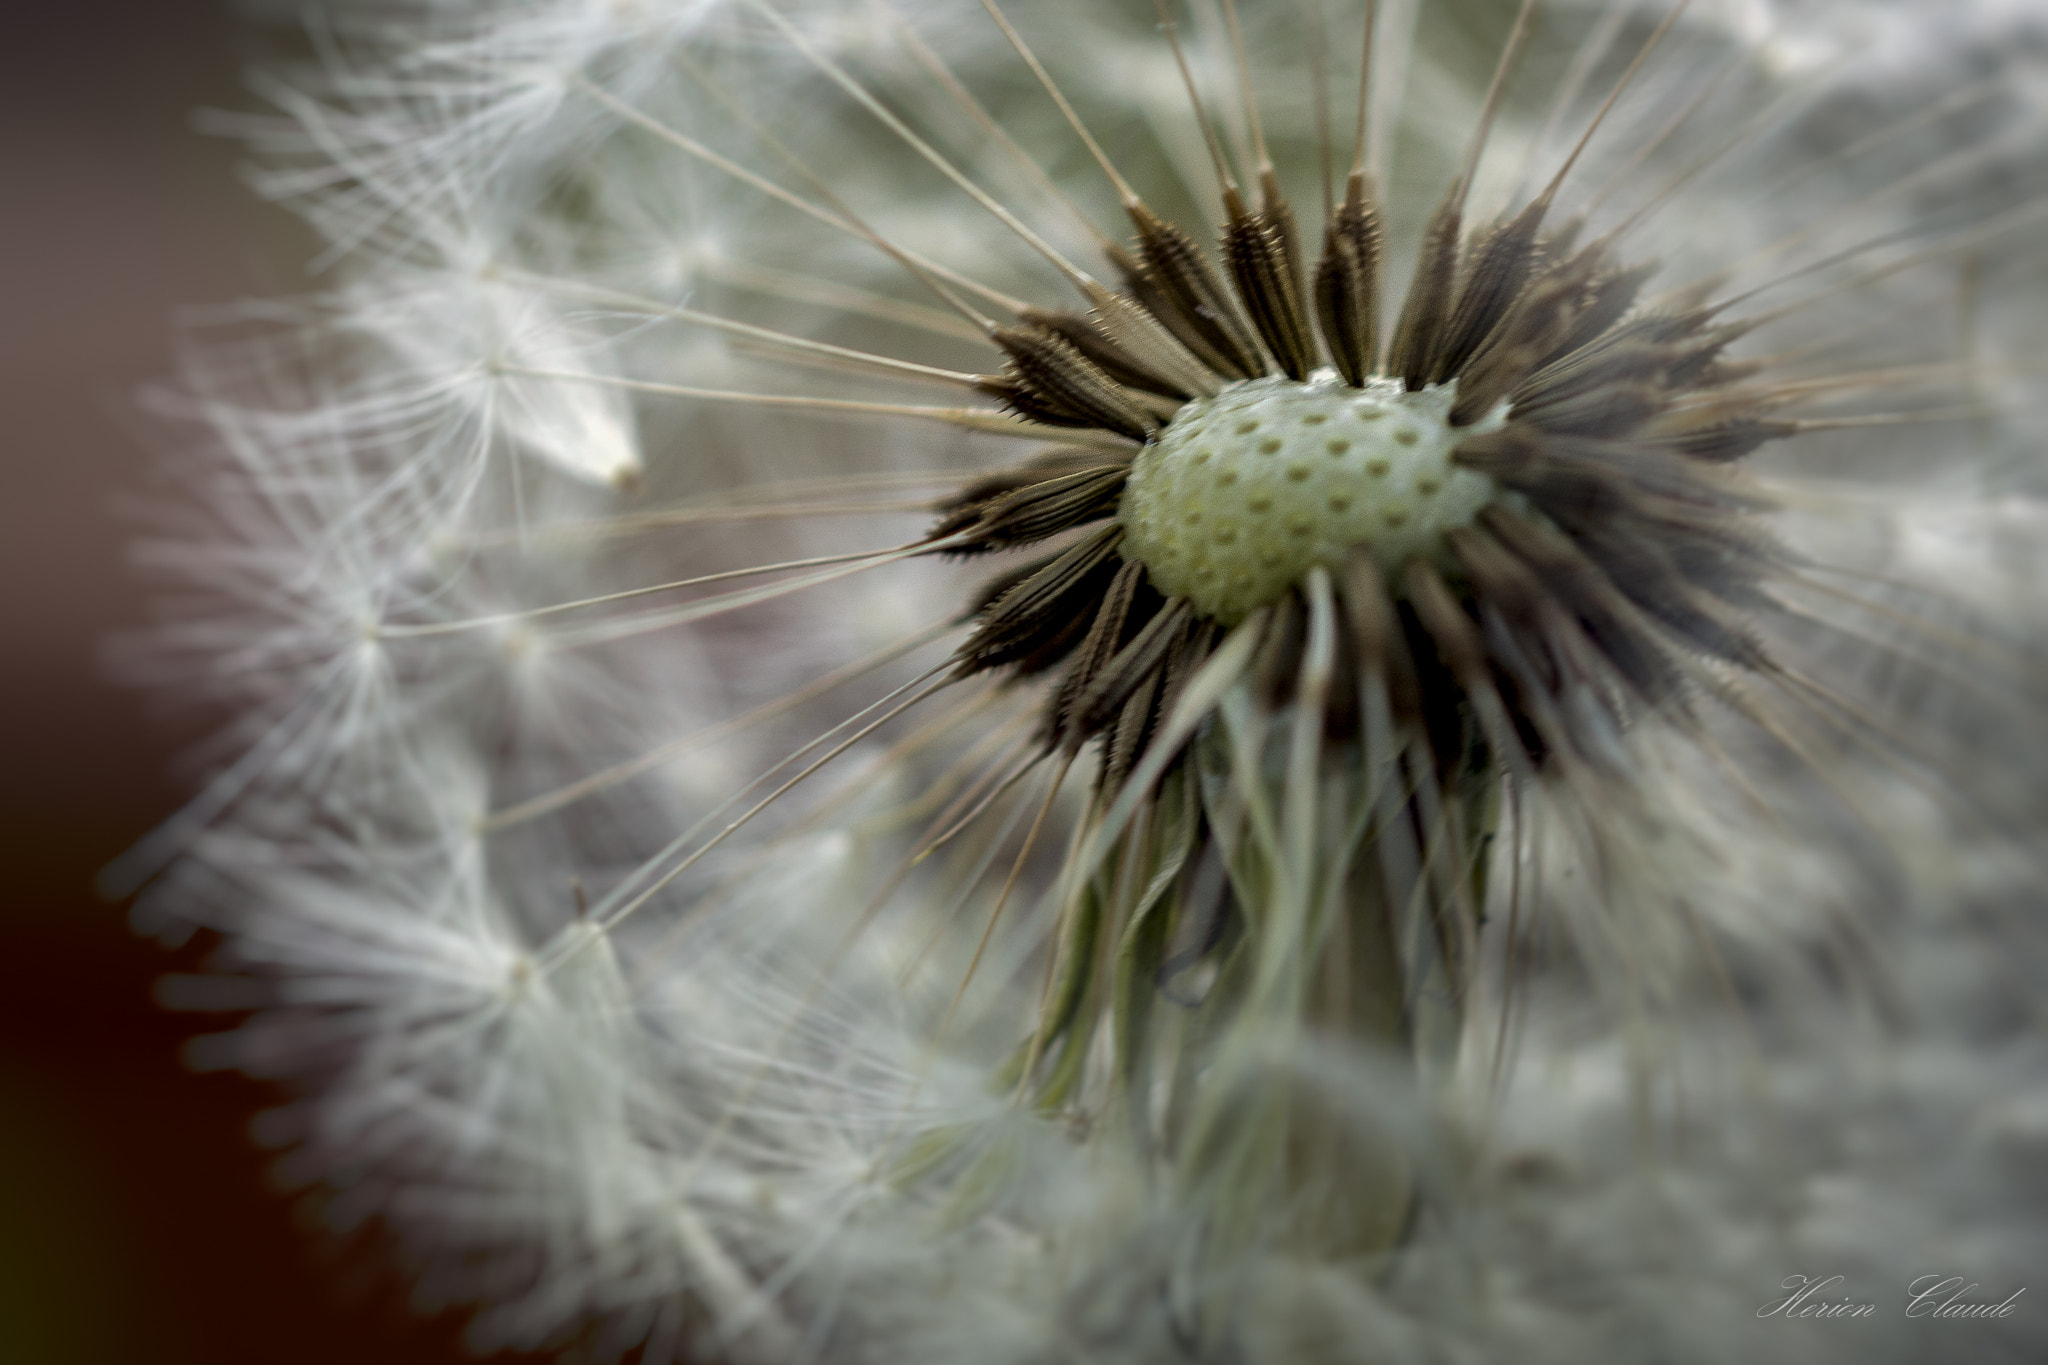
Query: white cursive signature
x=1801, y=1303
x=1926, y=1304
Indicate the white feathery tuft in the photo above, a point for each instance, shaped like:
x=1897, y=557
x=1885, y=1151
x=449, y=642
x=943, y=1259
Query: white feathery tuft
x=629, y=1057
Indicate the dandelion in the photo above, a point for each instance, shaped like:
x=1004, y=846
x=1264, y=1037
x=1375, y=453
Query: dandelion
x=1140, y=683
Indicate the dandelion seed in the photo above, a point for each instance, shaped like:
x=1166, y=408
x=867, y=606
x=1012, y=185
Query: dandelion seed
x=1445, y=758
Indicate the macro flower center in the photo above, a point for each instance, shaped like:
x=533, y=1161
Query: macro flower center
x=1243, y=493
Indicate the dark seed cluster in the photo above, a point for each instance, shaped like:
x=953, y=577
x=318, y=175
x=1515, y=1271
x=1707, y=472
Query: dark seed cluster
x=1628, y=553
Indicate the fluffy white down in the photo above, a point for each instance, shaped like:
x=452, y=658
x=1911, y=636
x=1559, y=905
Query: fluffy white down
x=610, y=1103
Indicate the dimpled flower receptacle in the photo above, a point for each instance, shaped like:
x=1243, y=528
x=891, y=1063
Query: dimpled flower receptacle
x=1244, y=492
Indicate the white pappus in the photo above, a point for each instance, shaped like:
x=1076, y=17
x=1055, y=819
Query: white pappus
x=1182, y=681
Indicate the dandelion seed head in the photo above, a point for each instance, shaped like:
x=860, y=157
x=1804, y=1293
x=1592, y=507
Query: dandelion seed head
x=760, y=841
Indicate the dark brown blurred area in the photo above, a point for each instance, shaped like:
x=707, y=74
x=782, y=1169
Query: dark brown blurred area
x=136, y=1219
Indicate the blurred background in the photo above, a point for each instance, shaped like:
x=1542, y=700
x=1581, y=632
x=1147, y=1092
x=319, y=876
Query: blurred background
x=137, y=1223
